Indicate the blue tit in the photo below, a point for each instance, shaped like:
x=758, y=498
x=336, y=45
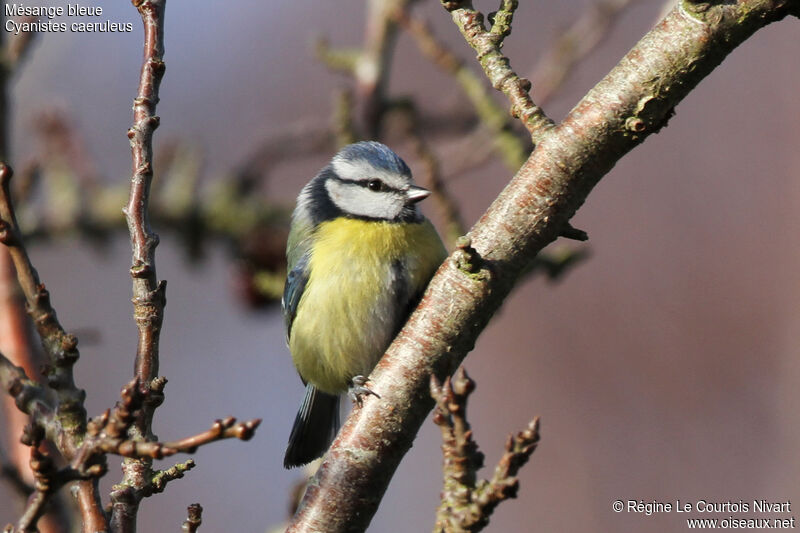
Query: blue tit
x=360, y=255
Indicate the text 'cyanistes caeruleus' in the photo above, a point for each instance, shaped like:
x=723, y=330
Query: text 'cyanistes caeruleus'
x=360, y=255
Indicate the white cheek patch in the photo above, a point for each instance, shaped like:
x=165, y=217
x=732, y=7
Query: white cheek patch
x=360, y=201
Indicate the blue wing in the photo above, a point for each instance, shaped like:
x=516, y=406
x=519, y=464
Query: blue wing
x=293, y=291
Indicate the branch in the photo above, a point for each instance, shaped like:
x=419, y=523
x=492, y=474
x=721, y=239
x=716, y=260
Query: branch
x=61, y=348
x=510, y=146
x=148, y=293
x=160, y=480
x=495, y=65
x=634, y=100
x=462, y=459
x=194, y=518
x=574, y=44
x=431, y=175
x=16, y=343
x=13, y=476
x=370, y=65
x=30, y=397
x=108, y=434
x=47, y=480
x=19, y=46
x=504, y=484
x=466, y=502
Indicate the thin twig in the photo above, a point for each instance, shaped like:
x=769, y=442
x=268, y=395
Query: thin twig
x=462, y=459
x=45, y=485
x=33, y=511
x=342, y=119
x=16, y=344
x=18, y=47
x=369, y=65
x=431, y=176
x=496, y=66
x=29, y=396
x=162, y=477
x=148, y=292
x=47, y=482
x=12, y=474
x=108, y=434
x=467, y=503
x=193, y=519
x=512, y=147
x=374, y=63
x=61, y=348
x=504, y=484
x=574, y=45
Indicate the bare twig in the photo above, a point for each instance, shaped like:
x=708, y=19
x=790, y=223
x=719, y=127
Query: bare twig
x=193, y=519
x=107, y=433
x=462, y=459
x=374, y=63
x=342, y=120
x=33, y=511
x=16, y=344
x=18, y=47
x=46, y=483
x=504, y=484
x=61, y=348
x=162, y=477
x=467, y=503
x=64, y=423
x=511, y=147
x=487, y=44
x=574, y=44
x=148, y=293
x=370, y=65
x=29, y=396
x=220, y=430
x=432, y=175
x=12, y=474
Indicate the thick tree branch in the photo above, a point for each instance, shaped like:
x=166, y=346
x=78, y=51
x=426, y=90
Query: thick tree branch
x=634, y=100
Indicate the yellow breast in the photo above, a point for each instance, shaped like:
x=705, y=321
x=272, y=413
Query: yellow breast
x=351, y=309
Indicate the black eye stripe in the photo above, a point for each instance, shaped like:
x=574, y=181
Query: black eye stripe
x=384, y=187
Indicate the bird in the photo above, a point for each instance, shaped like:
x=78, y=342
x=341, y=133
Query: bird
x=359, y=256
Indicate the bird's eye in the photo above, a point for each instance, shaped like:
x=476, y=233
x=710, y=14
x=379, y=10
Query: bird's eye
x=375, y=185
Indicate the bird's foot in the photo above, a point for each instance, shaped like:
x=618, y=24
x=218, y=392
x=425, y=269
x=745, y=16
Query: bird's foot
x=358, y=390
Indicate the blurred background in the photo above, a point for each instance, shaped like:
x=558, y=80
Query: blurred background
x=664, y=365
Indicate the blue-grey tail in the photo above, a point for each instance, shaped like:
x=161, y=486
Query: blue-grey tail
x=314, y=427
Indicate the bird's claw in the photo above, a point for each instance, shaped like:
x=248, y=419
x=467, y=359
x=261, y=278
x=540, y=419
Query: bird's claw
x=358, y=390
